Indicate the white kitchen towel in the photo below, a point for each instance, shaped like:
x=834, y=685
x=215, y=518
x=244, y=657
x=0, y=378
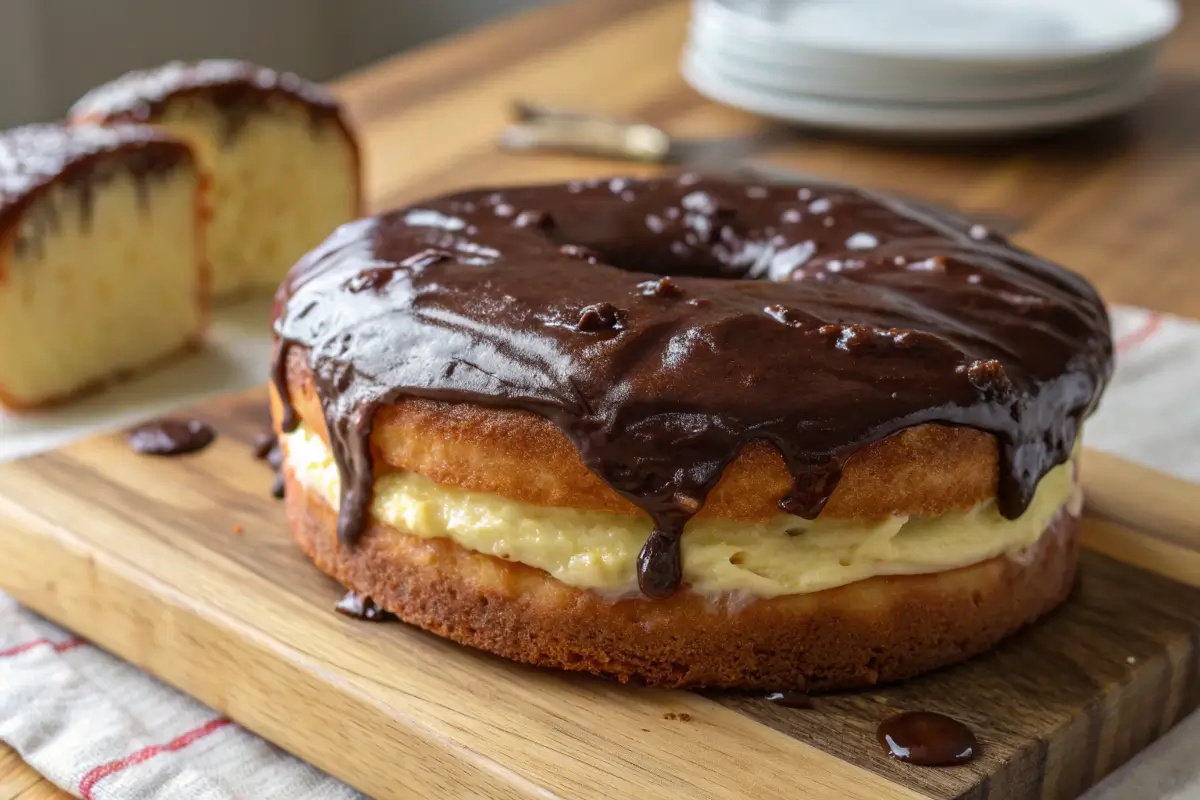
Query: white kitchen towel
x=1151, y=411
x=100, y=728
x=103, y=730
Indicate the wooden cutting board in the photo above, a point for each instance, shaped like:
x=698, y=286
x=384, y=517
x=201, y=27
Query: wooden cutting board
x=184, y=567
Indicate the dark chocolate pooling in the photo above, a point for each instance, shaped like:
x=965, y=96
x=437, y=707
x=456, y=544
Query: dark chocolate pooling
x=927, y=739
x=170, y=437
x=791, y=699
x=819, y=318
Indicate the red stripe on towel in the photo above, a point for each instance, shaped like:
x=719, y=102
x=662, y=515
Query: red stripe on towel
x=59, y=647
x=88, y=784
x=1149, y=327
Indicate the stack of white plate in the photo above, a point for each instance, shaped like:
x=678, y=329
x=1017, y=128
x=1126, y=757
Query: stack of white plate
x=928, y=67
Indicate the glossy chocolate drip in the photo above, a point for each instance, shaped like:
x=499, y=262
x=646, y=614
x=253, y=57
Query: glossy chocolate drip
x=35, y=158
x=818, y=318
x=170, y=437
x=927, y=739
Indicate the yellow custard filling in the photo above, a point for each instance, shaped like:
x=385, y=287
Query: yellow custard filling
x=597, y=550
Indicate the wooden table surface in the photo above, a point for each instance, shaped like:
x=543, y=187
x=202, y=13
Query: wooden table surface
x=1118, y=201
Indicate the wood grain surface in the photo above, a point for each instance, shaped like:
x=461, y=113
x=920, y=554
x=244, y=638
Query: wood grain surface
x=1116, y=201
x=19, y=782
x=184, y=567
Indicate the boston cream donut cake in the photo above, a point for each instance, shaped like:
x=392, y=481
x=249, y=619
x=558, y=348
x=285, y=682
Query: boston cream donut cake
x=689, y=431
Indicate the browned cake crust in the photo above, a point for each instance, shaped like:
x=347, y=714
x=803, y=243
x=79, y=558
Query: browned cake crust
x=142, y=95
x=925, y=470
x=873, y=631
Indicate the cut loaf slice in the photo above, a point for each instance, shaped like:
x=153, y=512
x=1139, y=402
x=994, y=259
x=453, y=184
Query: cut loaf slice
x=283, y=163
x=101, y=256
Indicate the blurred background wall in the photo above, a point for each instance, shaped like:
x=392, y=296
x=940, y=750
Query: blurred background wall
x=51, y=51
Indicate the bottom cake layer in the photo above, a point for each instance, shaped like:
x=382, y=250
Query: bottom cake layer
x=873, y=631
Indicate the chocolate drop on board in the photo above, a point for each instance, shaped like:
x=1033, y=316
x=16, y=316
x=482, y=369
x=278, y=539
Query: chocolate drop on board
x=275, y=457
x=927, y=739
x=362, y=607
x=170, y=437
x=791, y=699
x=896, y=316
x=267, y=448
x=264, y=443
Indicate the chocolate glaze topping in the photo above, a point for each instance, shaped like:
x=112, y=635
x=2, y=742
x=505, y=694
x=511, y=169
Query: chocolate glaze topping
x=237, y=88
x=35, y=157
x=665, y=324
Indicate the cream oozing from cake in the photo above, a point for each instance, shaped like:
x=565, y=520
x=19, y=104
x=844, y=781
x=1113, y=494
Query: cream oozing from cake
x=787, y=555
